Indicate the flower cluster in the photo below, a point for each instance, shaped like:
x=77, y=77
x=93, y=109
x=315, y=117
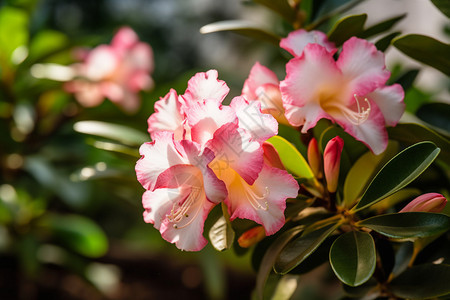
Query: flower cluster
x=204, y=153
x=117, y=71
x=351, y=91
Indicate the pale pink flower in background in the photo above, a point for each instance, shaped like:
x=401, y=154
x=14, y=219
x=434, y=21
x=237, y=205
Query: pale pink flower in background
x=263, y=85
x=180, y=188
x=296, y=41
x=332, y=162
x=431, y=202
x=117, y=71
x=350, y=91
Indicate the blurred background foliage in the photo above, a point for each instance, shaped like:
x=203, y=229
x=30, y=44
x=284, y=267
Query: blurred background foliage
x=70, y=212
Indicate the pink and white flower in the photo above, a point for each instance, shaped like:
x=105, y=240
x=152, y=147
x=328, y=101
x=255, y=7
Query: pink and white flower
x=296, y=41
x=180, y=189
x=117, y=71
x=430, y=202
x=350, y=91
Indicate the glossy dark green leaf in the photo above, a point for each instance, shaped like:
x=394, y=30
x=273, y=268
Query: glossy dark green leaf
x=78, y=233
x=347, y=27
x=353, y=257
x=399, y=172
x=270, y=257
x=408, y=224
x=407, y=79
x=422, y=282
x=116, y=132
x=383, y=43
x=443, y=5
x=411, y=133
x=363, y=171
x=436, y=114
x=300, y=248
x=425, y=50
x=281, y=7
x=330, y=9
x=381, y=27
x=242, y=27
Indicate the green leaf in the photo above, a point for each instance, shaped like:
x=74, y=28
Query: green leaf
x=46, y=43
x=383, y=43
x=13, y=31
x=281, y=7
x=291, y=158
x=242, y=27
x=300, y=248
x=270, y=257
x=408, y=224
x=422, y=282
x=398, y=173
x=406, y=80
x=221, y=233
x=411, y=133
x=347, y=27
x=436, y=114
x=353, y=257
x=78, y=233
x=363, y=170
x=120, y=133
x=381, y=27
x=443, y=5
x=425, y=50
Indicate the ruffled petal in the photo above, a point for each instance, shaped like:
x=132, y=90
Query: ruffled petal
x=263, y=202
x=371, y=132
x=204, y=86
x=389, y=100
x=206, y=116
x=124, y=39
x=100, y=63
x=311, y=79
x=235, y=149
x=157, y=156
x=167, y=116
x=363, y=65
x=296, y=41
x=258, y=76
x=260, y=126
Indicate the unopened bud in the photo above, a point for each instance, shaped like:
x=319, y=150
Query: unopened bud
x=314, y=158
x=271, y=156
x=431, y=202
x=332, y=162
x=251, y=237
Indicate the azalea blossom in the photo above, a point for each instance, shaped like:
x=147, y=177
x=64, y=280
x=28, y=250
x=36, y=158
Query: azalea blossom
x=350, y=91
x=180, y=189
x=296, y=41
x=117, y=71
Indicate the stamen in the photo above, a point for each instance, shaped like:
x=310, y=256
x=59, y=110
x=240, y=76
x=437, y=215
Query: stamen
x=180, y=212
x=254, y=198
x=355, y=117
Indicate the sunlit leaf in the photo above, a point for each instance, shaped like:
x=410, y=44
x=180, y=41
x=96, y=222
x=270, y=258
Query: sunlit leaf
x=425, y=50
x=120, y=133
x=381, y=27
x=411, y=133
x=408, y=225
x=443, y=6
x=300, y=248
x=391, y=201
x=13, y=31
x=347, y=27
x=422, y=282
x=353, y=257
x=291, y=158
x=45, y=43
x=242, y=27
x=399, y=172
x=78, y=233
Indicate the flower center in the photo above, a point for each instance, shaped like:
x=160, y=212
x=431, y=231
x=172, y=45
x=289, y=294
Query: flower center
x=180, y=209
x=254, y=199
x=357, y=117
